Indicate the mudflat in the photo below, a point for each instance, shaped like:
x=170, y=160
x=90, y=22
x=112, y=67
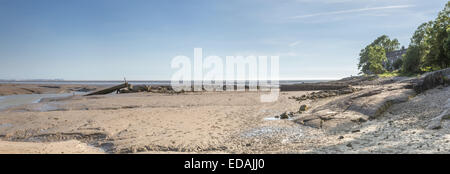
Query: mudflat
x=14, y=89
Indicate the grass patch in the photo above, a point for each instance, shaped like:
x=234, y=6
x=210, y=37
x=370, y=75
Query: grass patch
x=389, y=74
x=396, y=73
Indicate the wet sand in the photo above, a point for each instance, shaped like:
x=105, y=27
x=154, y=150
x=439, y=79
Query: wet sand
x=76, y=147
x=17, y=89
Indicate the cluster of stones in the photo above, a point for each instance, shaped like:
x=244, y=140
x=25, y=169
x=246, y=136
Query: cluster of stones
x=287, y=115
x=325, y=93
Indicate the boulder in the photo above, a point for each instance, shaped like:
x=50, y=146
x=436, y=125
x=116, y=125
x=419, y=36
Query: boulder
x=303, y=108
x=432, y=79
x=284, y=116
x=435, y=123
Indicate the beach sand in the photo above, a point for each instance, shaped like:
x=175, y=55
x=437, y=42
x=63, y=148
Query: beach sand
x=211, y=122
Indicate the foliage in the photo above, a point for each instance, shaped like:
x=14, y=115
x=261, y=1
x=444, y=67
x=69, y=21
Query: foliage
x=376, y=56
x=397, y=64
x=369, y=60
x=429, y=49
x=412, y=60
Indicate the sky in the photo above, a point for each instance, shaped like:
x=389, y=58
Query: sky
x=137, y=39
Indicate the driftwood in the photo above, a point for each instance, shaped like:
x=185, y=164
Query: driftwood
x=109, y=90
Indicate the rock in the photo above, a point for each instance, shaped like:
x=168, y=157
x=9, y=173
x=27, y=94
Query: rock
x=363, y=104
x=346, y=91
x=432, y=79
x=332, y=93
x=436, y=122
x=315, y=123
x=326, y=117
x=354, y=131
x=303, y=108
x=326, y=93
x=360, y=119
x=341, y=137
x=284, y=116
x=349, y=145
x=375, y=102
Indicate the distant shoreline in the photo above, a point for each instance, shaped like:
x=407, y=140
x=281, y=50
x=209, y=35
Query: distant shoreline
x=136, y=82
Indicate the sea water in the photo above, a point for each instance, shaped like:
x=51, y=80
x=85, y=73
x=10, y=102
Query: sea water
x=22, y=99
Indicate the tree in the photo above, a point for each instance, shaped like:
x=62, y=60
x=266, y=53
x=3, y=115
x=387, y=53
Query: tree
x=430, y=45
x=385, y=44
x=417, y=50
x=411, y=60
x=437, y=57
x=376, y=56
x=447, y=45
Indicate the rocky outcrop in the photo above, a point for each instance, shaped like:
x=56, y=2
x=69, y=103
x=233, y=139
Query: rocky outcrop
x=374, y=102
x=325, y=94
x=343, y=112
x=432, y=79
x=351, y=106
x=332, y=85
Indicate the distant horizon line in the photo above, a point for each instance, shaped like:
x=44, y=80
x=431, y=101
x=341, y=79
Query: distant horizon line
x=63, y=80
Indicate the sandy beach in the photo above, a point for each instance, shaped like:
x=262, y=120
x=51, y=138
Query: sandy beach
x=228, y=122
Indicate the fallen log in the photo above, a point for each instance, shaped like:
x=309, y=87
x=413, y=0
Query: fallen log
x=109, y=90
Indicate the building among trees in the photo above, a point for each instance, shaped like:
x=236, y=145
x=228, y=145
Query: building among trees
x=392, y=57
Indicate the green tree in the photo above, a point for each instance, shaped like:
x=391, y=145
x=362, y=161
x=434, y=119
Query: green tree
x=430, y=45
x=412, y=60
x=386, y=45
x=447, y=45
x=376, y=56
x=418, y=49
x=437, y=57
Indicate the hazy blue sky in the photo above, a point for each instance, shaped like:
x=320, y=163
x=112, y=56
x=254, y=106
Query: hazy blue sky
x=110, y=39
